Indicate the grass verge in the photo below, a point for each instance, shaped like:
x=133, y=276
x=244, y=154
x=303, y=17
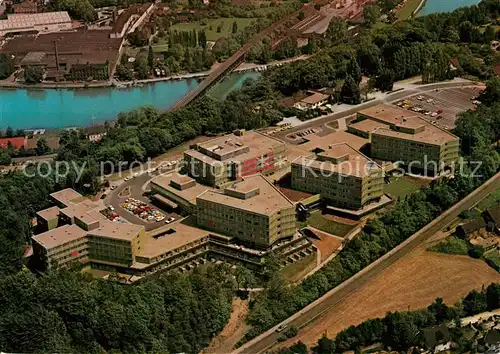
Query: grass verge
x=452, y=245
x=320, y=222
x=295, y=271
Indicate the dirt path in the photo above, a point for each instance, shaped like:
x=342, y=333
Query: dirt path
x=412, y=283
x=233, y=332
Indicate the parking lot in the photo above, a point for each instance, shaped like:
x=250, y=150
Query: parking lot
x=442, y=106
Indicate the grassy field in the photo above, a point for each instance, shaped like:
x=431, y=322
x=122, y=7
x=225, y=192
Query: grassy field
x=160, y=48
x=295, y=271
x=323, y=223
x=490, y=201
x=401, y=187
x=212, y=24
x=407, y=10
x=452, y=245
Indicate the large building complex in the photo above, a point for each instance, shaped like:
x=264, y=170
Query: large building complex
x=252, y=210
x=233, y=156
x=400, y=135
x=35, y=23
x=341, y=175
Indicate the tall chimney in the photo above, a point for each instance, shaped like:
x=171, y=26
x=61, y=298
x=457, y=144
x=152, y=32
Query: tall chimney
x=57, y=55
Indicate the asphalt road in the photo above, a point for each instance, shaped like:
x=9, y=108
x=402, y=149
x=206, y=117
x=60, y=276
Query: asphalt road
x=389, y=98
x=321, y=307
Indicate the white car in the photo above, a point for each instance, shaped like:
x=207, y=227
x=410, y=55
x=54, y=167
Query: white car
x=169, y=220
x=160, y=218
x=111, y=208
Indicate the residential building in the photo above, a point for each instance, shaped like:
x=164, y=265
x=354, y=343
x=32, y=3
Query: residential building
x=66, y=197
x=314, y=100
x=252, y=210
x=48, y=219
x=25, y=7
x=341, y=175
x=36, y=22
x=16, y=142
x=227, y=158
x=407, y=138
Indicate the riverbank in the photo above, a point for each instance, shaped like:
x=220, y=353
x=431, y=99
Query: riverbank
x=12, y=84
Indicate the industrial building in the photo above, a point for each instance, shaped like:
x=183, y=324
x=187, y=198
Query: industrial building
x=227, y=158
x=81, y=55
x=400, y=135
x=35, y=23
x=341, y=175
x=252, y=210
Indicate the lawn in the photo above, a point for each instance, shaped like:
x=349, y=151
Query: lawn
x=401, y=187
x=491, y=201
x=295, y=271
x=323, y=223
x=452, y=245
x=160, y=48
x=211, y=25
x=407, y=10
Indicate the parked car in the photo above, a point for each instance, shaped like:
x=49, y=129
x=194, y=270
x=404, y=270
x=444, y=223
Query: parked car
x=281, y=328
x=169, y=220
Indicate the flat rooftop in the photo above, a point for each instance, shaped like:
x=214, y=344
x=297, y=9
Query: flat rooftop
x=268, y=200
x=189, y=194
x=22, y=21
x=49, y=214
x=368, y=125
x=340, y=158
x=83, y=212
x=118, y=231
x=323, y=142
x=67, y=196
x=59, y=236
x=244, y=147
x=185, y=232
x=395, y=116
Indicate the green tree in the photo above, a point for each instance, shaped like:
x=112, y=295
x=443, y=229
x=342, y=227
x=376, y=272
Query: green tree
x=350, y=92
x=235, y=27
x=9, y=132
x=123, y=72
x=42, y=147
x=301, y=15
x=492, y=93
x=385, y=81
x=33, y=74
x=150, y=58
x=371, y=14
x=6, y=66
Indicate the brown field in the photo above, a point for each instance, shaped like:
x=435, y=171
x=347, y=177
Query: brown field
x=412, y=283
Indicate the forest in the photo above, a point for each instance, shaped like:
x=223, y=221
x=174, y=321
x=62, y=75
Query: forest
x=403, y=330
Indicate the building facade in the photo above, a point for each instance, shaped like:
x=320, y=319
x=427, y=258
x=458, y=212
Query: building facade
x=221, y=160
x=252, y=210
x=341, y=175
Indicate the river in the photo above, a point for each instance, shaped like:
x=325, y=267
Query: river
x=62, y=108
x=433, y=6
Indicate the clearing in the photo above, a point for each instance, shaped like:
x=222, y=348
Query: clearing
x=406, y=11
x=210, y=26
x=330, y=223
x=412, y=283
x=232, y=332
x=403, y=186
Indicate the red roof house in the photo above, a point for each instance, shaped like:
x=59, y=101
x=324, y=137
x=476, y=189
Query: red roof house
x=16, y=142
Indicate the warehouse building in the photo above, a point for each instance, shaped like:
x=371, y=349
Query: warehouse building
x=403, y=136
x=35, y=23
x=341, y=175
x=227, y=158
x=252, y=210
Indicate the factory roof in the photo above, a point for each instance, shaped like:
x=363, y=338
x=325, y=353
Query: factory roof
x=59, y=236
x=22, y=21
x=253, y=194
x=342, y=159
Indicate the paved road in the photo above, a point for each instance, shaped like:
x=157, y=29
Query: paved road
x=411, y=90
x=321, y=306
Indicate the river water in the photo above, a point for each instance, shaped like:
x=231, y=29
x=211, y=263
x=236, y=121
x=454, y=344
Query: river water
x=433, y=6
x=61, y=108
